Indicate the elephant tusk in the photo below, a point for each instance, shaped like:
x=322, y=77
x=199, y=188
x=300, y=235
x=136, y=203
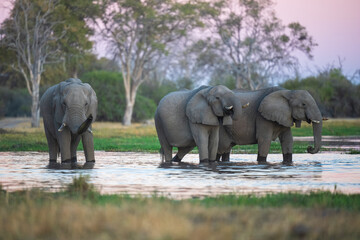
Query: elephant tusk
x=315, y=121
x=245, y=105
x=89, y=130
x=61, y=128
x=229, y=108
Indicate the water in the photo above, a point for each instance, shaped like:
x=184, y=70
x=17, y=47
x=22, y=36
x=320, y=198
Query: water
x=142, y=173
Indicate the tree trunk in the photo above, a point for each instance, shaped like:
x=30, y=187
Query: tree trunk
x=128, y=113
x=35, y=110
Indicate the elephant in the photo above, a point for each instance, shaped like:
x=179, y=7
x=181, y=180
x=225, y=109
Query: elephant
x=271, y=114
x=189, y=118
x=68, y=110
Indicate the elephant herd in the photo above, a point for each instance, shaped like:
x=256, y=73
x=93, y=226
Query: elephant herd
x=214, y=119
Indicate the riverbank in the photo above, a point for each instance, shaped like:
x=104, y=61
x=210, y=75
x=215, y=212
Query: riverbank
x=339, y=135
x=80, y=212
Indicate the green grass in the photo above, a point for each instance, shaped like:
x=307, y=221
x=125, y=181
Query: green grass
x=80, y=212
x=143, y=138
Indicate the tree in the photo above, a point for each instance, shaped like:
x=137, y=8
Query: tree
x=140, y=33
x=40, y=32
x=254, y=41
x=30, y=33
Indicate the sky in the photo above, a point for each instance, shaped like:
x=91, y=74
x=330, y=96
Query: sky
x=334, y=25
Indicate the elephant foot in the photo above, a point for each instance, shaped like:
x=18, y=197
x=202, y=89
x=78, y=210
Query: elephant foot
x=204, y=160
x=89, y=164
x=176, y=159
x=67, y=161
x=287, y=158
x=261, y=160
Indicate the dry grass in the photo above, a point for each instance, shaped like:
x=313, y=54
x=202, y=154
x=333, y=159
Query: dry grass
x=66, y=218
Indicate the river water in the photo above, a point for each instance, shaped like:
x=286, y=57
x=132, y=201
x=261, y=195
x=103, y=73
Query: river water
x=142, y=173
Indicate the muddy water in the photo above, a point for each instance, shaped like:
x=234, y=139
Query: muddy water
x=138, y=173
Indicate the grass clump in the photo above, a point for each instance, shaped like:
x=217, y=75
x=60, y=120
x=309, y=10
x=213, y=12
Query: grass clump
x=35, y=214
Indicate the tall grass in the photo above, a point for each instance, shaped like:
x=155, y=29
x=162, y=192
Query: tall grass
x=71, y=214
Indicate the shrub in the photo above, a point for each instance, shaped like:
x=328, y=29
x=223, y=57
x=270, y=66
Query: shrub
x=109, y=88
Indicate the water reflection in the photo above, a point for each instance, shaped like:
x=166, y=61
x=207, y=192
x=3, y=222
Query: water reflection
x=57, y=165
x=138, y=173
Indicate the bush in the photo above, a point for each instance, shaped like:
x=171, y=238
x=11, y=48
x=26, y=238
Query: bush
x=109, y=88
x=14, y=102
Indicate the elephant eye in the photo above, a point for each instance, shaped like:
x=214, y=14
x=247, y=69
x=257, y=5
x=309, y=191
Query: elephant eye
x=217, y=98
x=304, y=105
x=86, y=104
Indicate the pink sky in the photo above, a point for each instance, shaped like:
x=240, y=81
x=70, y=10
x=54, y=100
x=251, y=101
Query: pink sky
x=334, y=24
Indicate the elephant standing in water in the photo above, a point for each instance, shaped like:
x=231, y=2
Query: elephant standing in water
x=68, y=109
x=189, y=118
x=271, y=114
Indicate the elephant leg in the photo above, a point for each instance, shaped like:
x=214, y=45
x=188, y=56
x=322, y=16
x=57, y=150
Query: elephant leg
x=286, y=140
x=74, y=144
x=53, y=146
x=88, y=144
x=64, y=139
x=201, y=136
x=182, y=151
x=264, y=143
x=225, y=157
x=213, y=144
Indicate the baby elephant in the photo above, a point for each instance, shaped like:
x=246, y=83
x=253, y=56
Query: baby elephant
x=189, y=118
x=68, y=109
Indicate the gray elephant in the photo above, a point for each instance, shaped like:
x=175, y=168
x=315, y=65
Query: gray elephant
x=68, y=109
x=271, y=114
x=189, y=118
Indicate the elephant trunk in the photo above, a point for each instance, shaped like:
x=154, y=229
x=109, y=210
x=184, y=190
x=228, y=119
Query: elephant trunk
x=85, y=125
x=237, y=108
x=317, y=128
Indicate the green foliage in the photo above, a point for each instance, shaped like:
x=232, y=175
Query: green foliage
x=109, y=88
x=156, y=90
x=335, y=95
x=14, y=102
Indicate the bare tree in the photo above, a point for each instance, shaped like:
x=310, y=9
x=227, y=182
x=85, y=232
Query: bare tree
x=255, y=42
x=30, y=33
x=140, y=32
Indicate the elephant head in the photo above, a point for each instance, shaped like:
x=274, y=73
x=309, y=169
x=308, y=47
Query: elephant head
x=214, y=106
x=286, y=107
x=75, y=105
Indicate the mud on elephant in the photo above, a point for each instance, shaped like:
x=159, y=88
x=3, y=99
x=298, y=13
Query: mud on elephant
x=271, y=114
x=189, y=118
x=68, y=109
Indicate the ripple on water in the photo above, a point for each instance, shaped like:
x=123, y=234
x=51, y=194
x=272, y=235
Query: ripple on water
x=142, y=173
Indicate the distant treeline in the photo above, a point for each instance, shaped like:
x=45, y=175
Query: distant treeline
x=335, y=95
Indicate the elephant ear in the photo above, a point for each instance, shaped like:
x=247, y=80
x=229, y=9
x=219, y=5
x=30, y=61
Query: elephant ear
x=199, y=111
x=93, y=103
x=275, y=107
x=57, y=102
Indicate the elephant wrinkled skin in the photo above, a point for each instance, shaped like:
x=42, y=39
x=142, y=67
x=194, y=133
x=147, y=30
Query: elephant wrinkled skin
x=68, y=109
x=271, y=114
x=189, y=118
